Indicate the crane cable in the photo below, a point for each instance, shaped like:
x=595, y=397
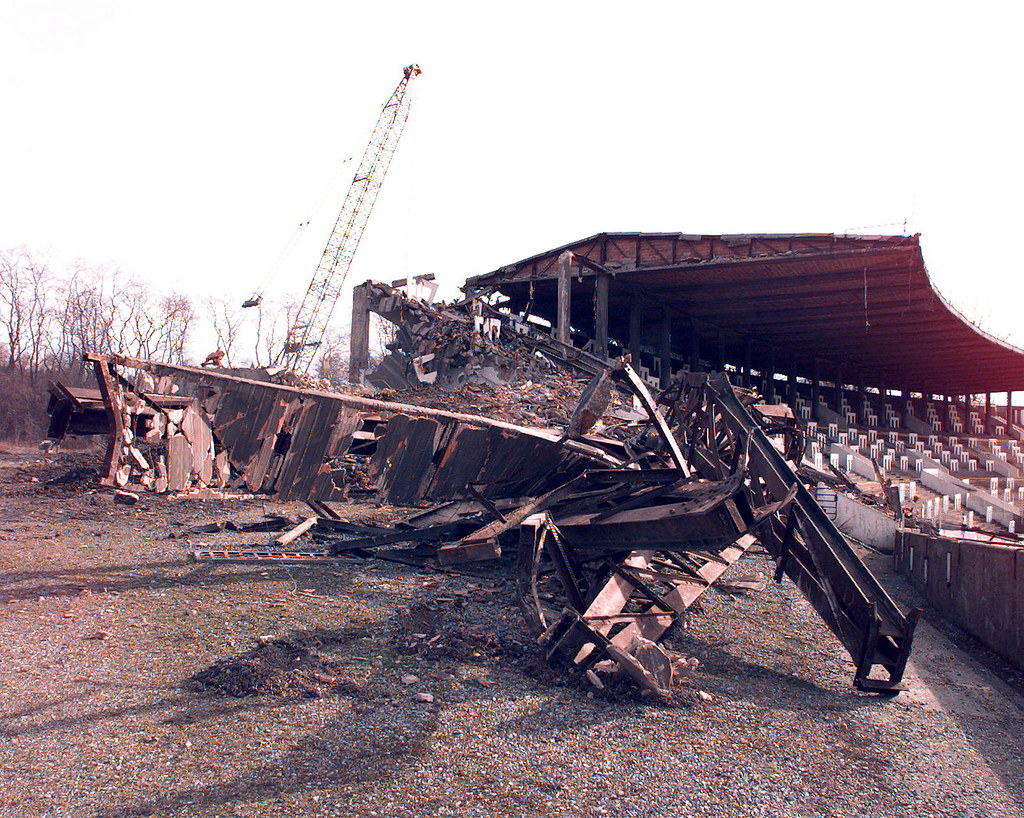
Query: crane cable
x=285, y=253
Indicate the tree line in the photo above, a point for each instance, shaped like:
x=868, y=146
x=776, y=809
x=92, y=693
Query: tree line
x=50, y=318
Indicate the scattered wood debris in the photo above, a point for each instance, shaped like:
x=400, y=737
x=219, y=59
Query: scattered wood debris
x=621, y=519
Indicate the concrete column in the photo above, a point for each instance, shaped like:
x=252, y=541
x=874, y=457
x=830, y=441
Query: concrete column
x=792, y=382
x=816, y=389
x=770, y=380
x=564, y=297
x=837, y=392
x=636, y=324
x=601, y=287
x=665, y=347
x=694, y=347
x=988, y=413
x=746, y=363
x=359, y=340
x=721, y=352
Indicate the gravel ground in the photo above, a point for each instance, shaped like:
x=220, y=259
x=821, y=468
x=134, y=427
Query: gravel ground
x=118, y=657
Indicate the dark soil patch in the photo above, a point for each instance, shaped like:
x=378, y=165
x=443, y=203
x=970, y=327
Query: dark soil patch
x=462, y=631
x=283, y=667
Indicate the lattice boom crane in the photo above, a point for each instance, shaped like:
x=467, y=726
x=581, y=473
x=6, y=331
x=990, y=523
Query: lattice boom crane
x=314, y=315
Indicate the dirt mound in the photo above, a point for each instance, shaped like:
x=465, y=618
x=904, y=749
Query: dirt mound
x=278, y=668
x=462, y=630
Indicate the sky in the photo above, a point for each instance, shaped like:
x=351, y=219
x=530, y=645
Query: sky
x=185, y=143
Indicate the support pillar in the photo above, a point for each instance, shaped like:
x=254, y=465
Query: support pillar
x=694, y=347
x=792, y=383
x=636, y=324
x=816, y=390
x=601, y=287
x=988, y=413
x=564, y=297
x=359, y=340
x=746, y=363
x=837, y=392
x=721, y=352
x=769, y=389
x=665, y=348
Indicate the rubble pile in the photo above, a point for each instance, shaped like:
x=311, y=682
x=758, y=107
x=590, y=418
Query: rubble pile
x=624, y=507
x=544, y=400
x=618, y=529
x=441, y=345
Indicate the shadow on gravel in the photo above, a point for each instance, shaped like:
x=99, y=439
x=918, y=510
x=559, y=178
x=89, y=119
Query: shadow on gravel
x=291, y=668
x=104, y=579
x=15, y=577
x=371, y=741
x=358, y=748
x=942, y=657
x=765, y=683
x=167, y=703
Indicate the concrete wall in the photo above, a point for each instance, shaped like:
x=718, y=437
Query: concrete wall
x=857, y=520
x=977, y=586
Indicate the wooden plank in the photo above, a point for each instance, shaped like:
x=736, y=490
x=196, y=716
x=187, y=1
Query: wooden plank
x=564, y=298
x=295, y=457
x=221, y=469
x=409, y=469
x=112, y=400
x=179, y=462
x=256, y=470
x=248, y=440
x=296, y=532
x=314, y=451
x=200, y=438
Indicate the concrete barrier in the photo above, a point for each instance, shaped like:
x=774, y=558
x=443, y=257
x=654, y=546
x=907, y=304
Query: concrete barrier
x=977, y=586
x=857, y=520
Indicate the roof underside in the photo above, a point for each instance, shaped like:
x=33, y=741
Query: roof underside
x=863, y=306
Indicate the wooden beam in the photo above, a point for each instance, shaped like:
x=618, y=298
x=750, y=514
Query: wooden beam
x=115, y=410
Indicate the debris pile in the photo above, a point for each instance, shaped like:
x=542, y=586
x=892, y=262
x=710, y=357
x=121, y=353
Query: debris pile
x=438, y=344
x=468, y=342
x=623, y=508
x=617, y=535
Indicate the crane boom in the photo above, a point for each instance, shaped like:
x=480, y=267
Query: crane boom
x=310, y=325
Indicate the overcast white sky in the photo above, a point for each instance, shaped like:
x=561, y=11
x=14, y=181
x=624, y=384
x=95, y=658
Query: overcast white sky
x=184, y=142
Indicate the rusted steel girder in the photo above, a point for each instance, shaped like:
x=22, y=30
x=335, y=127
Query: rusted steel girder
x=805, y=544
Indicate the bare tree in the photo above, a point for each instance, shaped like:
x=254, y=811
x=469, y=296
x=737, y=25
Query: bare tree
x=48, y=321
x=179, y=315
x=332, y=360
x=227, y=323
x=273, y=320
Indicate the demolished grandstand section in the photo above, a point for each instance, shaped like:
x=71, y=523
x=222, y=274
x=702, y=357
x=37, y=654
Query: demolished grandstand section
x=614, y=411
x=616, y=536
